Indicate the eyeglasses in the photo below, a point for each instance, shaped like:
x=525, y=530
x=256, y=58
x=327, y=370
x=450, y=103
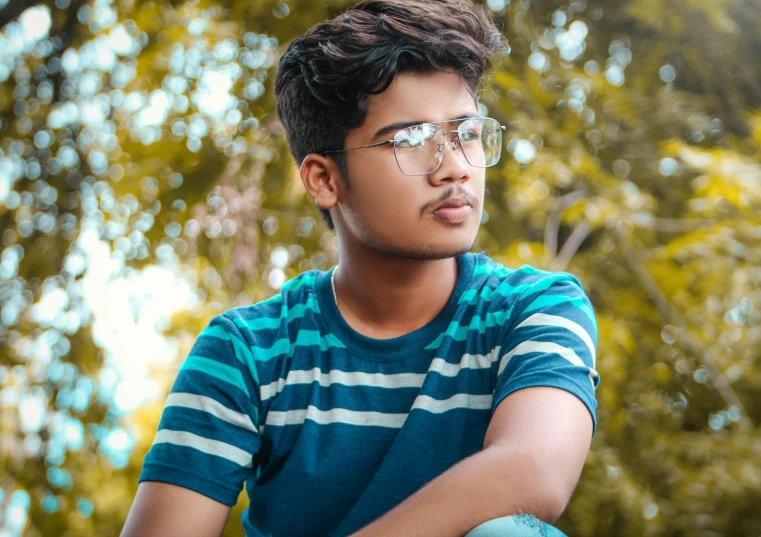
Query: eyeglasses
x=419, y=149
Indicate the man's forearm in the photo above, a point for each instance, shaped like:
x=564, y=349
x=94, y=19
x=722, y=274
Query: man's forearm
x=493, y=483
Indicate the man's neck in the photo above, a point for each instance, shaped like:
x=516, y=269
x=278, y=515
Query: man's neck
x=385, y=297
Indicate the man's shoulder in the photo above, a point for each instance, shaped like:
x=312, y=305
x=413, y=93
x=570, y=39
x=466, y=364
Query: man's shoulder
x=494, y=282
x=539, y=310
x=294, y=299
x=527, y=290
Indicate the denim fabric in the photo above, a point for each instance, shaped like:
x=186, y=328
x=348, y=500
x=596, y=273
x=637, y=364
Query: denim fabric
x=515, y=526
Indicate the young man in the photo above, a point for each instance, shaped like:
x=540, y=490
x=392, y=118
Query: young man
x=416, y=389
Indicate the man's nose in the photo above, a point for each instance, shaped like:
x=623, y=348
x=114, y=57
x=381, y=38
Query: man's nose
x=454, y=165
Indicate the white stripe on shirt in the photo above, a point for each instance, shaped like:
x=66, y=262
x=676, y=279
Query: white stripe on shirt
x=542, y=319
x=211, y=406
x=206, y=445
x=378, y=380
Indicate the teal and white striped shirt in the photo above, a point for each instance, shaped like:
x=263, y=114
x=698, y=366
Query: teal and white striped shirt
x=330, y=429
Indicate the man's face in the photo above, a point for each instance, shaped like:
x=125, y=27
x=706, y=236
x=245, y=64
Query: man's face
x=393, y=213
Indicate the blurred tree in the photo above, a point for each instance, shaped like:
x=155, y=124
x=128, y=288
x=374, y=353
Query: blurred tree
x=140, y=155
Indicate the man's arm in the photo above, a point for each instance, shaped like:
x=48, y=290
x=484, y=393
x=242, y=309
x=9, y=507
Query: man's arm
x=206, y=441
x=533, y=455
x=164, y=510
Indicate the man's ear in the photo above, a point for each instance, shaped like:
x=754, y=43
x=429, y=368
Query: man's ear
x=320, y=176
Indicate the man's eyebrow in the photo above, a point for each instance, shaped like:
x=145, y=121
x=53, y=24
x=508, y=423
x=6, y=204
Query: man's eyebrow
x=393, y=127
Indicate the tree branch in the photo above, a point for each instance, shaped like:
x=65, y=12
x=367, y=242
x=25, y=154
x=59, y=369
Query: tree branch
x=571, y=246
x=551, y=235
x=687, y=340
x=669, y=225
x=553, y=223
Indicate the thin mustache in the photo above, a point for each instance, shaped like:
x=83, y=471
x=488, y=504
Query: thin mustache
x=471, y=199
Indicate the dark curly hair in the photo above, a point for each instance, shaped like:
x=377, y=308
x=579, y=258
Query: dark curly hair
x=325, y=75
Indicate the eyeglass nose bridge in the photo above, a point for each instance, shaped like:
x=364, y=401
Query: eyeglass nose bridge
x=440, y=148
x=455, y=143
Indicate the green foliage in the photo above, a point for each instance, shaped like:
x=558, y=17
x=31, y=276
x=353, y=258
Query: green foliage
x=142, y=135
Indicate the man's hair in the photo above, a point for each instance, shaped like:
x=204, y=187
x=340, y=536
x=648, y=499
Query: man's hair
x=325, y=75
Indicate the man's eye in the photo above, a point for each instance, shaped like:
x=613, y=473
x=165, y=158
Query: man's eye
x=469, y=136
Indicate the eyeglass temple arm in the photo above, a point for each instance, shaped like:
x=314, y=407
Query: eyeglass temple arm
x=353, y=148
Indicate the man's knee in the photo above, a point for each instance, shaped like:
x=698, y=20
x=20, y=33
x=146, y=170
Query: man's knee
x=515, y=526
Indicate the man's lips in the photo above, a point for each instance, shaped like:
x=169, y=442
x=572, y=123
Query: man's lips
x=454, y=215
x=452, y=202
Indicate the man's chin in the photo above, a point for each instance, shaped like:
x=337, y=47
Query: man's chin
x=432, y=251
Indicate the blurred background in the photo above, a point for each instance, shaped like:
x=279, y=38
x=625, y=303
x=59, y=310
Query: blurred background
x=145, y=186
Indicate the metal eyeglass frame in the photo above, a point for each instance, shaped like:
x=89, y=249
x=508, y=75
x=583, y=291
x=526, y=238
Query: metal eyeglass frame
x=441, y=150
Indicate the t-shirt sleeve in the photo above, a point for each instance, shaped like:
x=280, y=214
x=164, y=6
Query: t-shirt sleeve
x=208, y=435
x=550, y=340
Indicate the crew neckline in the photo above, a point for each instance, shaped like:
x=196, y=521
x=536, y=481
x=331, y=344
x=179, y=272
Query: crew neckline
x=394, y=348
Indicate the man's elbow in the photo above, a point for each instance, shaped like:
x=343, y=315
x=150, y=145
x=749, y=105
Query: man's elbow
x=552, y=491
x=551, y=507
x=544, y=489
x=544, y=505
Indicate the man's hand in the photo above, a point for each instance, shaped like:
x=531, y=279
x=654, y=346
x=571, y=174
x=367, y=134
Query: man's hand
x=164, y=510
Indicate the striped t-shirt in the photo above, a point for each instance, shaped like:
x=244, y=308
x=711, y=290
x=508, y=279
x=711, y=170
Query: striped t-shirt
x=330, y=429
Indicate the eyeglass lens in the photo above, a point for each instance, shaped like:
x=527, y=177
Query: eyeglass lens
x=420, y=149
